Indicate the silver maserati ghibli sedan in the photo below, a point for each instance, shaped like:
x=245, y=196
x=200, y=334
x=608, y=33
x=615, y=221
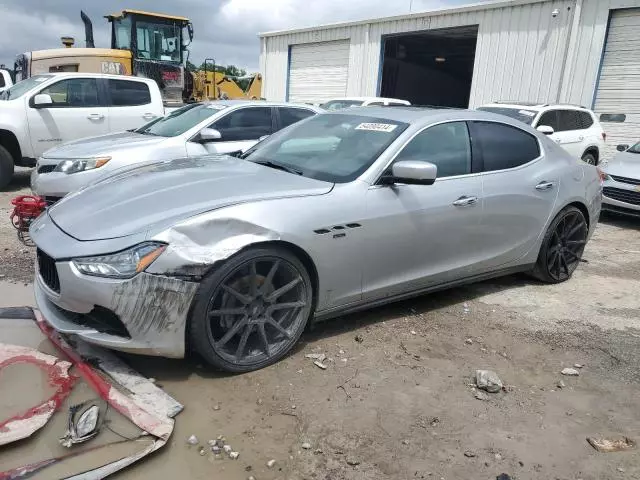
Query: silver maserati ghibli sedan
x=233, y=257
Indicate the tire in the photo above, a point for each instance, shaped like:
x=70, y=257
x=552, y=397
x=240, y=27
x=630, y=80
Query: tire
x=6, y=167
x=560, y=254
x=589, y=158
x=229, y=304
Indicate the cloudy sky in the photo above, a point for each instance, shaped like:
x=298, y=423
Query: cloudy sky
x=224, y=29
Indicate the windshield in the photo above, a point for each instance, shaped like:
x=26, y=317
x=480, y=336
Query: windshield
x=523, y=115
x=181, y=120
x=341, y=104
x=158, y=41
x=334, y=148
x=24, y=86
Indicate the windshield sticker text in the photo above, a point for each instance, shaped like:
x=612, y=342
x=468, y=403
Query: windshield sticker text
x=377, y=127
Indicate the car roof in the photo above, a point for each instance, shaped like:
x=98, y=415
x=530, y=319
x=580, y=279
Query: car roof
x=534, y=106
x=364, y=99
x=426, y=115
x=94, y=75
x=261, y=103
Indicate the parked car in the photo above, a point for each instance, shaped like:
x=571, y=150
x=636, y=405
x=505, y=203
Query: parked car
x=50, y=109
x=5, y=80
x=349, y=102
x=340, y=212
x=193, y=130
x=576, y=129
x=621, y=192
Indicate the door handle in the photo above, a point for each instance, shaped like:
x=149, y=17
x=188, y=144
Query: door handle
x=545, y=186
x=96, y=116
x=148, y=116
x=465, y=201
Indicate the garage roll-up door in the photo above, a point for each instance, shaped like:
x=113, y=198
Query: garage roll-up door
x=318, y=71
x=618, y=95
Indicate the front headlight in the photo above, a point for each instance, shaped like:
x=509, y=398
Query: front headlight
x=81, y=164
x=125, y=264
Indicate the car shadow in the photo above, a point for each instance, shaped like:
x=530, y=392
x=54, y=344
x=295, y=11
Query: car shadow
x=21, y=180
x=620, y=221
x=168, y=370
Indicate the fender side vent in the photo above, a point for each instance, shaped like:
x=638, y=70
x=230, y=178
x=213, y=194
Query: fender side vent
x=322, y=231
x=353, y=225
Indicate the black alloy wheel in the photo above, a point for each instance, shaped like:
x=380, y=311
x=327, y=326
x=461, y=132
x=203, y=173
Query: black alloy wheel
x=562, y=247
x=258, y=304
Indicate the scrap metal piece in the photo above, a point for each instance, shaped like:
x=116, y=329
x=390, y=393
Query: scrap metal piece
x=26, y=423
x=607, y=445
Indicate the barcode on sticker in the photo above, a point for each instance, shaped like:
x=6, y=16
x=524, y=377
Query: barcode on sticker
x=377, y=127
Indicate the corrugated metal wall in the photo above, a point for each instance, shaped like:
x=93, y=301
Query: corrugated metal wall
x=519, y=54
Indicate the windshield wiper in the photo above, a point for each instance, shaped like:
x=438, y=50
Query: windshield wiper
x=147, y=132
x=278, y=166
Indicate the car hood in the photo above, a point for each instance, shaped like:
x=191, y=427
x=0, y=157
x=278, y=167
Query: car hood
x=160, y=194
x=624, y=165
x=103, y=145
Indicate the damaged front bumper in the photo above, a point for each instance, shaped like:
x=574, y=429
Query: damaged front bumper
x=146, y=314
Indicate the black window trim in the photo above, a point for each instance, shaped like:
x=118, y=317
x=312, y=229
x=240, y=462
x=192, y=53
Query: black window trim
x=475, y=162
x=107, y=93
x=229, y=111
x=277, y=120
x=541, y=149
x=102, y=101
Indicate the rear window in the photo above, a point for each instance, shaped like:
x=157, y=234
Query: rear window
x=521, y=114
x=126, y=93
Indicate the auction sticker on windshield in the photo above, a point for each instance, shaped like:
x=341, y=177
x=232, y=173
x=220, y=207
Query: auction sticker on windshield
x=377, y=127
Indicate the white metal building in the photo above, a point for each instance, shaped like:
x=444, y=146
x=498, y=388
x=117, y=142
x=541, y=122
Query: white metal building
x=584, y=52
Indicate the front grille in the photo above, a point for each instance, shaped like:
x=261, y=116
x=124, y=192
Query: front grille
x=46, y=168
x=48, y=271
x=632, y=181
x=626, y=196
x=101, y=319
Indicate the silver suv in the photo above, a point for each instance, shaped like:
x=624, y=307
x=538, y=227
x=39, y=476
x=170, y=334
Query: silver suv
x=576, y=129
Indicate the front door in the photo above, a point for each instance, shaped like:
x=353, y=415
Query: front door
x=77, y=111
x=423, y=235
x=520, y=188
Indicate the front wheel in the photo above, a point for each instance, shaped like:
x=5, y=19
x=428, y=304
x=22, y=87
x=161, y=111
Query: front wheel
x=562, y=247
x=250, y=312
x=6, y=167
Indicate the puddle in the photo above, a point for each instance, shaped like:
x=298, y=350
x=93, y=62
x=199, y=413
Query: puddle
x=23, y=386
x=16, y=295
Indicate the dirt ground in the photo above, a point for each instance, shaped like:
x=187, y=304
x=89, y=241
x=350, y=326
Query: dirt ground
x=397, y=400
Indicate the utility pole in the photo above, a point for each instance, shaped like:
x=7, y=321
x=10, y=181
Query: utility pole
x=410, y=6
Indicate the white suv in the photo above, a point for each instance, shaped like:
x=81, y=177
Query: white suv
x=576, y=129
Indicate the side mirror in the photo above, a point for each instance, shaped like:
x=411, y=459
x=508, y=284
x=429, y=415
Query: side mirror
x=622, y=148
x=412, y=172
x=42, y=100
x=209, y=135
x=546, y=129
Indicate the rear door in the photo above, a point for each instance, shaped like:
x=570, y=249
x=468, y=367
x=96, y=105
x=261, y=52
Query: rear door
x=286, y=116
x=131, y=104
x=240, y=129
x=519, y=187
x=78, y=110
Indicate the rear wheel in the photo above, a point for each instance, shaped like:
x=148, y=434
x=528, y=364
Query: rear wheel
x=251, y=311
x=562, y=247
x=589, y=158
x=6, y=167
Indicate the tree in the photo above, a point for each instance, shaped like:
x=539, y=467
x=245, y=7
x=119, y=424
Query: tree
x=191, y=67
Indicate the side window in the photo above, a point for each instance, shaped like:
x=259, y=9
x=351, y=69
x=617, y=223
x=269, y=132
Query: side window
x=289, y=116
x=2, y=84
x=585, y=120
x=446, y=145
x=568, y=120
x=504, y=146
x=549, y=119
x=74, y=93
x=396, y=104
x=126, y=93
x=248, y=123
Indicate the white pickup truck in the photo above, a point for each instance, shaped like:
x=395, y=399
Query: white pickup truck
x=47, y=110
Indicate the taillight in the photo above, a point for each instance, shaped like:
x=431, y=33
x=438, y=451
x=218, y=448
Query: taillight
x=604, y=136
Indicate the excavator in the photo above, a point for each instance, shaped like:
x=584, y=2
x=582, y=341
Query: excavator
x=145, y=44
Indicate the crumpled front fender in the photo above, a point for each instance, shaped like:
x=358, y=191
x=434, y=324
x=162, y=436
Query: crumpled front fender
x=197, y=244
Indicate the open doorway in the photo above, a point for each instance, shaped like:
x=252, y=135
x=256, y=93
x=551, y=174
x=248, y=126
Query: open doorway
x=434, y=67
